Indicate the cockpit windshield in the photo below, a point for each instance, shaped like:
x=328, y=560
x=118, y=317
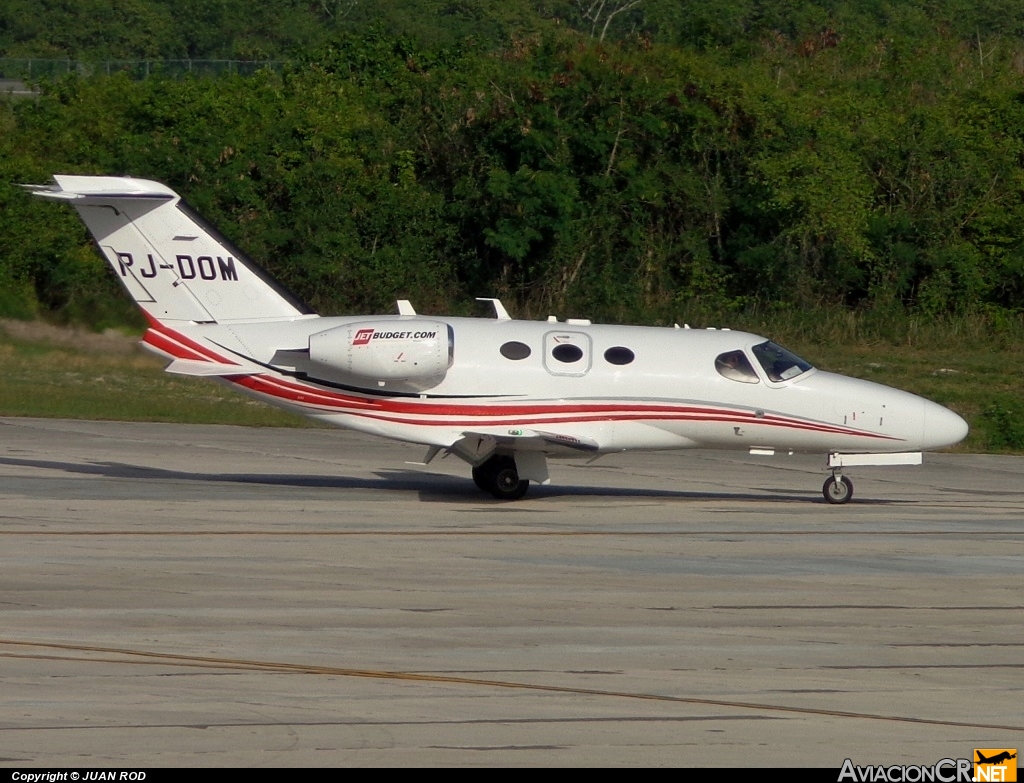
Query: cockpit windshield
x=778, y=363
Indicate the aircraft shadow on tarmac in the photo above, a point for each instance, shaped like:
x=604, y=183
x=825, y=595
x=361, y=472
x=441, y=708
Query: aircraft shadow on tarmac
x=431, y=487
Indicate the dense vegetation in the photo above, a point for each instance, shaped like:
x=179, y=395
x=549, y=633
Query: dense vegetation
x=863, y=155
x=170, y=29
x=832, y=172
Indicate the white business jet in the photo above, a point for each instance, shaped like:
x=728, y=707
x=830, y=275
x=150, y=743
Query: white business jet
x=501, y=394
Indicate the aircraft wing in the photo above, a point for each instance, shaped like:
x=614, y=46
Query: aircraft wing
x=478, y=445
x=531, y=448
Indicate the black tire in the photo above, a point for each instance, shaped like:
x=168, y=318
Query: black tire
x=500, y=477
x=483, y=477
x=838, y=491
x=507, y=484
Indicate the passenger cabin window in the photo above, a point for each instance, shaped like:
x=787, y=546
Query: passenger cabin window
x=778, y=363
x=567, y=353
x=515, y=350
x=736, y=367
x=619, y=355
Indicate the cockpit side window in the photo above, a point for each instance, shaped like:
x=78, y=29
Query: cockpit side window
x=735, y=366
x=778, y=363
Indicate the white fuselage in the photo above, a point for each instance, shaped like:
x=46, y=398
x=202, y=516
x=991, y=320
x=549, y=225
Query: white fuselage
x=668, y=396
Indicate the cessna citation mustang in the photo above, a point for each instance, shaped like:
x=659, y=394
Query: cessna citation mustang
x=501, y=394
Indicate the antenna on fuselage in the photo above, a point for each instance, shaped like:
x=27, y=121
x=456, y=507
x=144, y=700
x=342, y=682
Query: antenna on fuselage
x=499, y=309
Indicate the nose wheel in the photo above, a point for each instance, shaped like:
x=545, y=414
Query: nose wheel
x=499, y=476
x=837, y=489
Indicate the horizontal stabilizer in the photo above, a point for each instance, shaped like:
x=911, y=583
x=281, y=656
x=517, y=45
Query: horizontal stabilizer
x=207, y=369
x=70, y=188
x=174, y=265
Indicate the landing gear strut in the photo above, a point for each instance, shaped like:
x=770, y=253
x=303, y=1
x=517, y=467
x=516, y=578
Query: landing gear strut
x=499, y=476
x=837, y=489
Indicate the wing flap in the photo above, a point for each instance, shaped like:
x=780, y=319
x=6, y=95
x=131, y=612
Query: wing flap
x=574, y=442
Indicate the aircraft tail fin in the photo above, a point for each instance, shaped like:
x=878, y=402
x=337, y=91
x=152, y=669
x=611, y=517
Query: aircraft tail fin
x=175, y=266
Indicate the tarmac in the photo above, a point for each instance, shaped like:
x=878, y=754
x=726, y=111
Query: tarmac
x=221, y=596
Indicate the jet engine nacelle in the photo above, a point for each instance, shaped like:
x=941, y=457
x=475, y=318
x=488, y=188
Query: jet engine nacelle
x=386, y=350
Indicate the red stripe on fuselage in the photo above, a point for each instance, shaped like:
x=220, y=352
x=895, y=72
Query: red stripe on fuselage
x=521, y=415
x=167, y=332
x=171, y=347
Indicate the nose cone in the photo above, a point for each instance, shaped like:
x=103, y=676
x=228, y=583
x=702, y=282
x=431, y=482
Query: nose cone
x=942, y=427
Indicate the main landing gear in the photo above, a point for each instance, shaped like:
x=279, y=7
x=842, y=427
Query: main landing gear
x=837, y=489
x=499, y=476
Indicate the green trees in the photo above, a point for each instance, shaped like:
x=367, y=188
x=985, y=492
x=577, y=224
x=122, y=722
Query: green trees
x=850, y=155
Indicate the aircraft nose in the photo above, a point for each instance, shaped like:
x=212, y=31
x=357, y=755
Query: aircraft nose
x=942, y=427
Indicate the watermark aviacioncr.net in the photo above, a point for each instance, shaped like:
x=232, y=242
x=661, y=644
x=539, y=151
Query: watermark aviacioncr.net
x=990, y=765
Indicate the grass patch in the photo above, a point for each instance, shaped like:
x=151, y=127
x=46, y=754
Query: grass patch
x=61, y=381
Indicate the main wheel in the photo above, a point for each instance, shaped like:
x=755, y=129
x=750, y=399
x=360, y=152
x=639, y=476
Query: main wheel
x=483, y=477
x=837, y=491
x=499, y=476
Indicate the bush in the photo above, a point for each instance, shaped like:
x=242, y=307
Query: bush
x=1003, y=423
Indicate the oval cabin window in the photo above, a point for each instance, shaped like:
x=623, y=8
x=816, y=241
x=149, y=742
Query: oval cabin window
x=619, y=355
x=515, y=350
x=567, y=353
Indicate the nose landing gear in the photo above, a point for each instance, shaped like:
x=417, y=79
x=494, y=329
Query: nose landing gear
x=837, y=489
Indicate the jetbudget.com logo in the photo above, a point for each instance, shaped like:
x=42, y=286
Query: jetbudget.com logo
x=363, y=336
